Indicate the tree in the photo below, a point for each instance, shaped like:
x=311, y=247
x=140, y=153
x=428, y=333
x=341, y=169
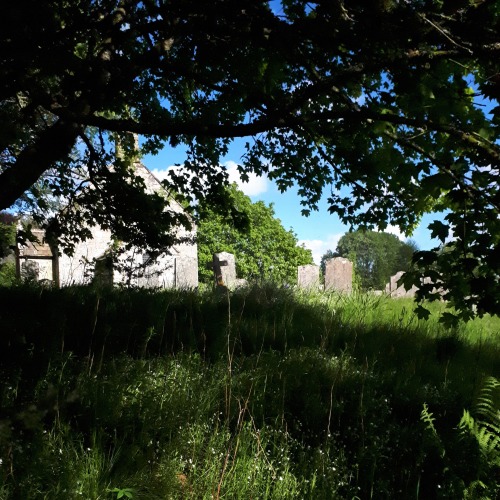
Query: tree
x=7, y=241
x=7, y=233
x=376, y=256
x=263, y=248
x=329, y=254
x=391, y=106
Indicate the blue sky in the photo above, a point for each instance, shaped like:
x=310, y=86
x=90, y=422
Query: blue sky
x=319, y=232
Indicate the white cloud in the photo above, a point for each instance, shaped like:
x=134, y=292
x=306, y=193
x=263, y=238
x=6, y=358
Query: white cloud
x=395, y=231
x=161, y=175
x=255, y=185
x=320, y=247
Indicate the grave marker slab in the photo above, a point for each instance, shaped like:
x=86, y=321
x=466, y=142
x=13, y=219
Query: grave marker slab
x=224, y=267
x=308, y=276
x=338, y=275
x=396, y=291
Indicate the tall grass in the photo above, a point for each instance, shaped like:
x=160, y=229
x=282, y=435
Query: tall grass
x=261, y=393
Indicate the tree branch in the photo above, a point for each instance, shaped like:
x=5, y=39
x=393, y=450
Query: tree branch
x=52, y=145
x=279, y=118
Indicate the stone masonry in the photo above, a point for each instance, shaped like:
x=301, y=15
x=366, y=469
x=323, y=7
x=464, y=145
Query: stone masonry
x=178, y=268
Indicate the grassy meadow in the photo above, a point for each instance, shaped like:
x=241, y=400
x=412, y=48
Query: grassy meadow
x=261, y=393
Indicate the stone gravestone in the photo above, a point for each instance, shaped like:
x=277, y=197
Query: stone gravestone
x=186, y=272
x=224, y=267
x=308, y=276
x=338, y=275
x=396, y=291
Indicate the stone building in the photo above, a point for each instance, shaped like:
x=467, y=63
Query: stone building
x=91, y=260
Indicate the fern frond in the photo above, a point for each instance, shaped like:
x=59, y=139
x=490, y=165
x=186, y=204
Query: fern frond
x=489, y=444
x=485, y=429
x=475, y=491
x=491, y=426
x=467, y=424
x=486, y=404
x=428, y=418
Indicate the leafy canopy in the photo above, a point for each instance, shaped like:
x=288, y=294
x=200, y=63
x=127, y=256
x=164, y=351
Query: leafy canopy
x=263, y=248
x=7, y=241
x=7, y=233
x=389, y=106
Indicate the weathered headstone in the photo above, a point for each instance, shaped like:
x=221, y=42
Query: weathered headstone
x=103, y=271
x=396, y=291
x=338, y=275
x=308, y=276
x=224, y=267
x=186, y=272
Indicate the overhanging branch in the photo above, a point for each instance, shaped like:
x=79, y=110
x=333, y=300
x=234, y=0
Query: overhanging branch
x=281, y=119
x=53, y=144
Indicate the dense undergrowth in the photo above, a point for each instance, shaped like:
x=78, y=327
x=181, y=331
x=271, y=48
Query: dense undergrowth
x=263, y=393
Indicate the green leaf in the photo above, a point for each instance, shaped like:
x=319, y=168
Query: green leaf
x=424, y=258
x=422, y=312
x=439, y=230
x=449, y=320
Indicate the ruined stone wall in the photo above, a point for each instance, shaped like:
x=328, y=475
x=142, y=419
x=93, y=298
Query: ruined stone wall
x=78, y=269
x=178, y=269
